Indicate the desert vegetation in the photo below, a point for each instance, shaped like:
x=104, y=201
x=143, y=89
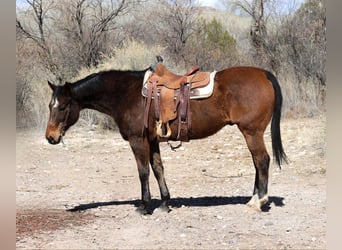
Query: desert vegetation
x=66, y=40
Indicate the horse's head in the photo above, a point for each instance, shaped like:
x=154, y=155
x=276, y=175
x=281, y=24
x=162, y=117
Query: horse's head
x=64, y=112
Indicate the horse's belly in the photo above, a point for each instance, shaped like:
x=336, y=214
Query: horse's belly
x=200, y=126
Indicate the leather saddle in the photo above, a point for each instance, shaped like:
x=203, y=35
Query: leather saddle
x=171, y=94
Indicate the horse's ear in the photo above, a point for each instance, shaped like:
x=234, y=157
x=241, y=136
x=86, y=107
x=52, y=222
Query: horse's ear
x=52, y=86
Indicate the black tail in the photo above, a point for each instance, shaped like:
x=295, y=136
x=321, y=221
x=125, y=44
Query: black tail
x=277, y=146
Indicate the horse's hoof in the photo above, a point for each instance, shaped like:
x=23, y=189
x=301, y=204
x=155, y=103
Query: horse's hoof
x=142, y=210
x=263, y=200
x=256, y=203
x=164, y=209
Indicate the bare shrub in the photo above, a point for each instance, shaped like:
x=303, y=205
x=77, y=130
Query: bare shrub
x=297, y=48
x=90, y=28
x=32, y=92
x=300, y=99
x=172, y=25
x=307, y=43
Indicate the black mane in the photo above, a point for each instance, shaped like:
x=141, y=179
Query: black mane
x=90, y=83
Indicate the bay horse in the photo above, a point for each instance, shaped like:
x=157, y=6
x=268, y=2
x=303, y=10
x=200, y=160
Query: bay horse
x=246, y=96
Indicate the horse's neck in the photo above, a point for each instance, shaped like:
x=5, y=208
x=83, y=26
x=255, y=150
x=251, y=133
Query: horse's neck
x=88, y=93
x=104, y=97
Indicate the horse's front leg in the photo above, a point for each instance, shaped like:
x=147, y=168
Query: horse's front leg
x=141, y=151
x=158, y=170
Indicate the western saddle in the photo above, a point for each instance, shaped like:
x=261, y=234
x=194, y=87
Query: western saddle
x=171, y=94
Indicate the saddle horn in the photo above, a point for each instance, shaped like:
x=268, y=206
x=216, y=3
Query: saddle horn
x=159, y=60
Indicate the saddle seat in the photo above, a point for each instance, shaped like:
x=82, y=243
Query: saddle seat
x=171, y=94
x=166, y=78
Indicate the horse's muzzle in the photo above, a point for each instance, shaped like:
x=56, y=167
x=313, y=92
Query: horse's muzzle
x=54, y=134
x=52, y=140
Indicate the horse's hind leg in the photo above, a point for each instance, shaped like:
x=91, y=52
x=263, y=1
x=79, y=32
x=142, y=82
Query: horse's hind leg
x=261, y=160
x=158, y=170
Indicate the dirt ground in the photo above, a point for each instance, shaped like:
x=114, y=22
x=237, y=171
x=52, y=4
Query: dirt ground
x=210, y=180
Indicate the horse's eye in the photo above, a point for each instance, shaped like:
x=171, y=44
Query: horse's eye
x=62, y=107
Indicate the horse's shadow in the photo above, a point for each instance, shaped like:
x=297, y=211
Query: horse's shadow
x=206, y=201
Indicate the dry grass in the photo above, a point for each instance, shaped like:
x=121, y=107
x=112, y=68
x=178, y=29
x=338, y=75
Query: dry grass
x=133, y=56
x=306, y=143
x=301, y=99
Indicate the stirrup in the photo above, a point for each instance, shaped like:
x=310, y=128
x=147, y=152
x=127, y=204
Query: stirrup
x=173, y=148
x=160, y=130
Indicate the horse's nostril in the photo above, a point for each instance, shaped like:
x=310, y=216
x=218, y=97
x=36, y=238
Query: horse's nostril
x=51, y=140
